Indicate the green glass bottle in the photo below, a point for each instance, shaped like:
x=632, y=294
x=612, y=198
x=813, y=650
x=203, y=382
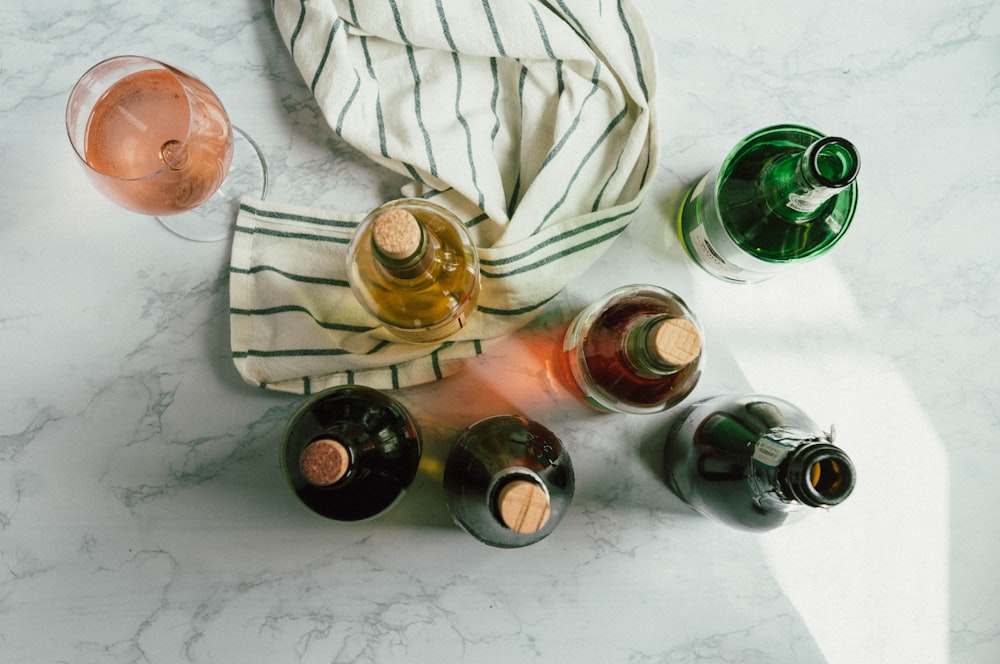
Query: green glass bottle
x=755, y=462
x=785, y=194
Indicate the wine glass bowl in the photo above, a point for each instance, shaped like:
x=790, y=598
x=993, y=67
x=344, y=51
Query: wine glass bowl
x=156, y=140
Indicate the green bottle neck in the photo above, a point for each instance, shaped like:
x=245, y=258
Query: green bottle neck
x=795, y=186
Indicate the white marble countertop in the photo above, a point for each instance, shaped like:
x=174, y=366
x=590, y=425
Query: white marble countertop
x=143, y=517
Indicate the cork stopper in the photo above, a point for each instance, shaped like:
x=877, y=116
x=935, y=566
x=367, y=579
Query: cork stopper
x=523, y=506
x=396, y=233
x=324, y=462
x=675, y=341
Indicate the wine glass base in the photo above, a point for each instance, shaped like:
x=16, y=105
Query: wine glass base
x=214, y=219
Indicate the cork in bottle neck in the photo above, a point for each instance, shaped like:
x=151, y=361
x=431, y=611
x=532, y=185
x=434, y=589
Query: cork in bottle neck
x=397, y=235
x=663, y=344
x=324, y=462
x=675, y=341
x=523, y=506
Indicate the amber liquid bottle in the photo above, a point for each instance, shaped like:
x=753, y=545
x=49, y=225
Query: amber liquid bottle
x=349, y=453
x=413, y=266
x=508, y=481
x=636, y=350
x=755, y=462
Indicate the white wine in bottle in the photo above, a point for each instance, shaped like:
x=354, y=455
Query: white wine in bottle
x=413, y=266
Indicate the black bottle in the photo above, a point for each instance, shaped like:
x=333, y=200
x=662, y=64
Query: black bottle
x=349, y=453
x=508, y=481
x=754, y=462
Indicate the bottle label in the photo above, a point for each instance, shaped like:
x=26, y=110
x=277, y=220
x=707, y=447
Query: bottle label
x=709, y=243
x=708, y=256
x=770, y=453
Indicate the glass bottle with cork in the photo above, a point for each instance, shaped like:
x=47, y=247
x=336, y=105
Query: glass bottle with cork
x=414, y=267
x=349, y=453
x=786, y=194
x=508, y=481
x=636, y=350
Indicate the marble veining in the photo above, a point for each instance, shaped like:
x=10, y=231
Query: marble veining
x=142, y=514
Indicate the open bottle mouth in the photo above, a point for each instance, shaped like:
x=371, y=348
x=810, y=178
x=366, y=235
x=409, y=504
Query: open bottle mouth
x=834, y=162
x=821, y=475
x=828, y=478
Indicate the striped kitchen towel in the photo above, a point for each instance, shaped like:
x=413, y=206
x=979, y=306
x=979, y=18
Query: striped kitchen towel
x=532, y=120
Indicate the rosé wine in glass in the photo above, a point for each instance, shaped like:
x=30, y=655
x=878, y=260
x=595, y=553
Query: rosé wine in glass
x=155, y=140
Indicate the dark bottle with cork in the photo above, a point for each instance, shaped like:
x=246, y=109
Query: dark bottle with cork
x=637, y=350
x=414, y=267
x=349, y=453
x=508, y=481
x=755, y=462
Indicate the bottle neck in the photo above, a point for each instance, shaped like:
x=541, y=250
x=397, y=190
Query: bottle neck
x=325, y=462
x=817, y=474
x=796, y=185
x=411, y=266
x=662, y=344
x=522, y=504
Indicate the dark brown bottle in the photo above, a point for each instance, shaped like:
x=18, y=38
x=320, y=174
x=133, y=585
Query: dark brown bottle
x=755, y=462
x=508, y=481
x=636, y=350
x=350, y=452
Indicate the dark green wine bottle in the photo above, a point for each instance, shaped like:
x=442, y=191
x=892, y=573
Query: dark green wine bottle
x=755, y=462
x=508, y=481
x=785, y=194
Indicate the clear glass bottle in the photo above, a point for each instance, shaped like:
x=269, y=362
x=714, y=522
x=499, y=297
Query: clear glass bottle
x=636, y=350
x=349, y=453
x=508, y=481
x=755, y=462
x=785, y=194
x=414, y=267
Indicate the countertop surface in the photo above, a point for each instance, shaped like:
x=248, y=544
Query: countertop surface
x=143, y=516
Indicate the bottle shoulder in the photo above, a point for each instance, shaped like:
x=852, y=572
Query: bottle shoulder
x=767, y=206
x=508, y=481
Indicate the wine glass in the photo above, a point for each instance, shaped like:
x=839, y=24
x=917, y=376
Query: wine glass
x=156, y=140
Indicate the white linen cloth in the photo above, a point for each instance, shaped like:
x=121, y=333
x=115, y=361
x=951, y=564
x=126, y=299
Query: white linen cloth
x=532, y=120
